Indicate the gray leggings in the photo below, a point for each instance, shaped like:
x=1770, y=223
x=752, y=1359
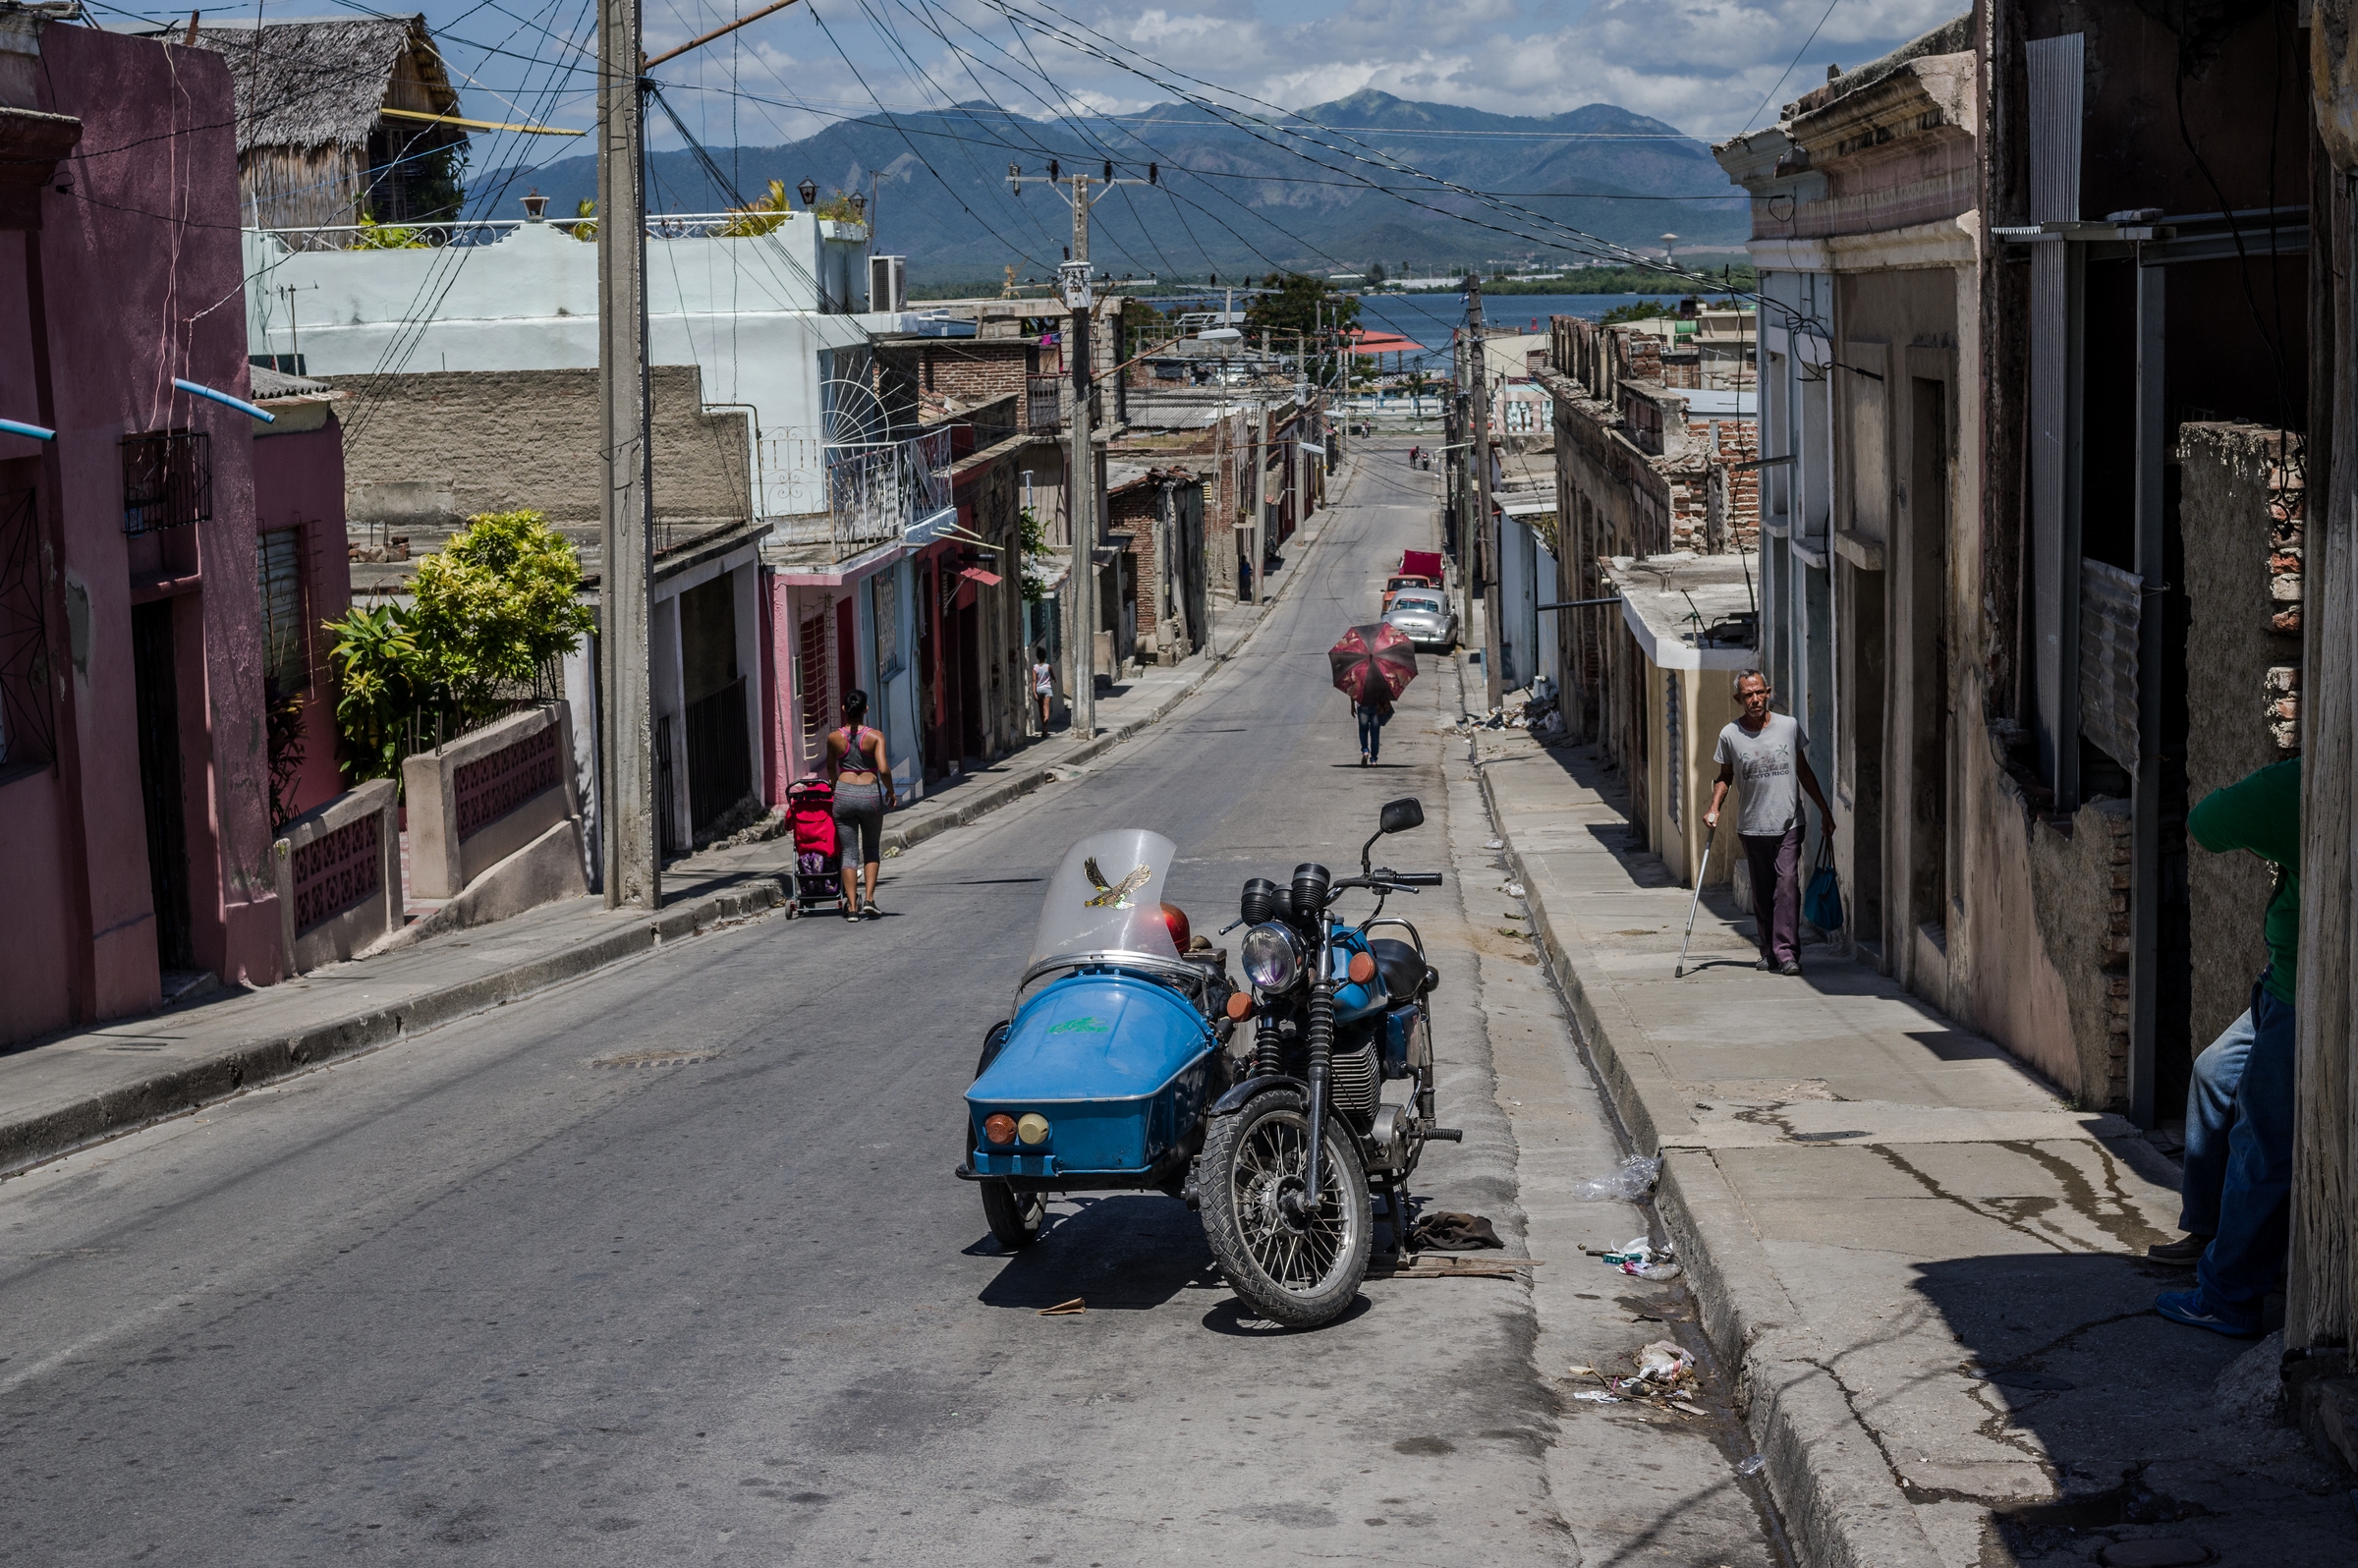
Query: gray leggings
x=860, y=807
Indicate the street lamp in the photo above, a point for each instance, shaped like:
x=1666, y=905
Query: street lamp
x=809, y=192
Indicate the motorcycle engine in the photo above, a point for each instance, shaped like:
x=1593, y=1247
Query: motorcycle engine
x=1350, y=1082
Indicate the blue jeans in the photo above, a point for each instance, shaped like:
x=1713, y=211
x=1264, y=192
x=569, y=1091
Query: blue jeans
x=2240, y=1266
x=2209, y=1120
x=1371, y=731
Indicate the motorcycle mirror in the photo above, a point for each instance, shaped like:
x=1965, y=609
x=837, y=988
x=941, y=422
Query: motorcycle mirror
x=1402, y=815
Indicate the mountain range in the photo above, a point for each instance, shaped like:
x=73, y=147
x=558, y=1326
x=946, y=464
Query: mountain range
x=1233, y=201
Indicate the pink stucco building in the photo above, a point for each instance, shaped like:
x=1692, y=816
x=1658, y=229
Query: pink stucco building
x=134, y=798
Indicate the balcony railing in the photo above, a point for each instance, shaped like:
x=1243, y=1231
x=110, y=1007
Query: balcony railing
x=875, y=493
x=1043, y=406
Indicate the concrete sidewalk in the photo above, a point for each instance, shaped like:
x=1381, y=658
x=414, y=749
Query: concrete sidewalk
x=1922, y=1267
x=72, y=1090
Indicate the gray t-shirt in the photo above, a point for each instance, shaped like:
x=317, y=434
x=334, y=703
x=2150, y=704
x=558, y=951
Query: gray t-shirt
x=1767, y=781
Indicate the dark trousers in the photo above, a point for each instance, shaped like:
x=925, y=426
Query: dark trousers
x=2240, y=1266
x=1776, y=861
x=1371, y=731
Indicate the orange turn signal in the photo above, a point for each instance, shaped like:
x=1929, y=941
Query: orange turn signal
x=1240, y=1005
x=999, y=1127
x=1363, y=969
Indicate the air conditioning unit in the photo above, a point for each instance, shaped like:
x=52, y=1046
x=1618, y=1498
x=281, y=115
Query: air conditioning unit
x=888, y=283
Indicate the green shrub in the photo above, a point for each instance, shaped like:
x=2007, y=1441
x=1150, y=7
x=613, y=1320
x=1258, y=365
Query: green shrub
x=494, y=611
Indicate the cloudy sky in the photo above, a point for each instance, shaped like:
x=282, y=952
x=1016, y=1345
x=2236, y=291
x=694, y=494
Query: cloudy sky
x=1706, y=66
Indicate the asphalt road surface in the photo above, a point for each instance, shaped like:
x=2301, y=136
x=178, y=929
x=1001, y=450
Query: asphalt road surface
x=668, y=1265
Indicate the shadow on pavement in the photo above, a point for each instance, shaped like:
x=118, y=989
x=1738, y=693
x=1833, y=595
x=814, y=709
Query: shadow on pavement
x=2147, y=1428
x=1122, y=1252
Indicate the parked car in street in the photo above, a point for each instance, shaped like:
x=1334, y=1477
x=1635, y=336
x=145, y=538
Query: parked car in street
x=1392, y=587
x=1423, y=617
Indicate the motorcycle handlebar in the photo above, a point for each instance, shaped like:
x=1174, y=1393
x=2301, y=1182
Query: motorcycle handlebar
x=1385, y=879
x=1417, y=878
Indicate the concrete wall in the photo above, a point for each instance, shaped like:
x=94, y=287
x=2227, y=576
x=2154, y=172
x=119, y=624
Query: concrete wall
x=2241, y=525
x=435, y=447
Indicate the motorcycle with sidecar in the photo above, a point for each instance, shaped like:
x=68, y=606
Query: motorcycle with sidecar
x=1133, y=1060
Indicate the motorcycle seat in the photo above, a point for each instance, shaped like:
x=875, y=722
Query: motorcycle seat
x=1403, y=971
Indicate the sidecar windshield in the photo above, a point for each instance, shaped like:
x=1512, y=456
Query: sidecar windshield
x=1106, y=898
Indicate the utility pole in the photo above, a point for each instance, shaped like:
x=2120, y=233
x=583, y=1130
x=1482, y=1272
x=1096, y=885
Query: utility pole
x=1261, y=499
x=1489, y=547
x=1075, y=280
x=631, y=854
x=1460, y=447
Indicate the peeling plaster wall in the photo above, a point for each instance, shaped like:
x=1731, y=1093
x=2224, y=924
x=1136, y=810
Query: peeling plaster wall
x=2243, y=653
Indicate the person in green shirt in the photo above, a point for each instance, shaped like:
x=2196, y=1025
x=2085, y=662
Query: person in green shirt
x=2245, y=1189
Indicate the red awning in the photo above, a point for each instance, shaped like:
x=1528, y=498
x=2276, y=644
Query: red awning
x=1384, y=343
x=976, y=574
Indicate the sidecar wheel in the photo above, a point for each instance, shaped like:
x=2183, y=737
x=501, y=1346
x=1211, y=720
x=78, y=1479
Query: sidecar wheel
x=1015, y=1217
x=1300, y=1274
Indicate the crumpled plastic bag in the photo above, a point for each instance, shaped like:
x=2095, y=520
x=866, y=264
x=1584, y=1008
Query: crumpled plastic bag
x=1641, y=1257
x=1629, y=1183
x=1662, y=1362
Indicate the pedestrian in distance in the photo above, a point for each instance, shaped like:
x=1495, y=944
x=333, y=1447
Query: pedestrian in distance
x=864, y=793
x=1044, y=683
x=2243, y=1189
x=1767, y=756
x=1374, y=711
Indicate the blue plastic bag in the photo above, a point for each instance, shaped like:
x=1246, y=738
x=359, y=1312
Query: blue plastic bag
x=1822, y=900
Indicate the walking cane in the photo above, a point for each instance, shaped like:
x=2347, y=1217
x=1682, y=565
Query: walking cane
x=1680, y=972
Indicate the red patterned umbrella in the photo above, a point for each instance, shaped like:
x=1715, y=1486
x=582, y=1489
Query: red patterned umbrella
x=1372, y=658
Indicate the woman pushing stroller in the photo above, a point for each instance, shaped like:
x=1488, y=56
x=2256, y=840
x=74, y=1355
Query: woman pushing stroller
x=864, y=793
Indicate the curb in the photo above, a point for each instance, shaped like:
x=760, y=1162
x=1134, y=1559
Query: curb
x=96, y=1119
x=1827, y=1472
x=110, y=1114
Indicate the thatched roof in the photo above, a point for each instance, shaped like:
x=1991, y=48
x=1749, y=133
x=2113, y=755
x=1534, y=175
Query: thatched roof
x=321, y=81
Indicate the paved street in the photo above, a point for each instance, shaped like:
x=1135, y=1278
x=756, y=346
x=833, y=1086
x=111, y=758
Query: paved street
x=669, y=1265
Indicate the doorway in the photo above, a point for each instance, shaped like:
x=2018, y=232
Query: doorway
x=155, y=680
x=1860, y=753
x=1929, y=696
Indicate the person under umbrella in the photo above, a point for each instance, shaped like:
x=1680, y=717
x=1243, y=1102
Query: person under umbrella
x=1373, y=665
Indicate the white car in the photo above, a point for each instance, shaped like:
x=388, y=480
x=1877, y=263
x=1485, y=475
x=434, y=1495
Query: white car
x=1423, y=617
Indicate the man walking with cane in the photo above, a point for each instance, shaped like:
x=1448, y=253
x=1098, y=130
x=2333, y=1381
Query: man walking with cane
x=1767, y=753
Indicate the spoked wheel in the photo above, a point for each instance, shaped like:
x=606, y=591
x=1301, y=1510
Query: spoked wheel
x=1015, y=1217
x=1298, y=1269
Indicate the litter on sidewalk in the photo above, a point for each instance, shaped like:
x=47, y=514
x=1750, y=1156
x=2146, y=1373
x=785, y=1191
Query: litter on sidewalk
x=1639, y=1257
x=1629, y=1181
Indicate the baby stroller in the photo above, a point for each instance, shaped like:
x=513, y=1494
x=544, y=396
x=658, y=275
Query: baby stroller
x=818, y=855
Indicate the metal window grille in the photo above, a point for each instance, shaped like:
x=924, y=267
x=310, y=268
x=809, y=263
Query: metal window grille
x=816, y=654
x=28, y=732
x=167, y=480
x=286, y=646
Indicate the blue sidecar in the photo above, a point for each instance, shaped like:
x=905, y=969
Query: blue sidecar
x=1102, y=1080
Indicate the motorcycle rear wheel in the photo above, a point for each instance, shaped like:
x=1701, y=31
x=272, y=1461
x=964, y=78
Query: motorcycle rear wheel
x=1297, y=1275
x=1015, y=1217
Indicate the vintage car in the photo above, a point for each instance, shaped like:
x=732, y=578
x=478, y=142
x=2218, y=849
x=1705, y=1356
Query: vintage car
x=1423, y=617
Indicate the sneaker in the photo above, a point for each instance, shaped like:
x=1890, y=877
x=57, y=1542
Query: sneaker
x=2188, y=1307
x=2185, y=1249
x=870, y=912
x=1764, y=964
x=1792, y=966
x=849, y=913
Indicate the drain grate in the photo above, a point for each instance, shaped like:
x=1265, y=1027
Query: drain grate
x=655, y=1058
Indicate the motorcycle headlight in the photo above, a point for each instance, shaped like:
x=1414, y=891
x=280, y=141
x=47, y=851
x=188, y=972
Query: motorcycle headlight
x=1272, y=957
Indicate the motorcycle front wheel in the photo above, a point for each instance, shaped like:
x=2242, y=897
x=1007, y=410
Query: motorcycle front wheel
x=1300, y=1272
